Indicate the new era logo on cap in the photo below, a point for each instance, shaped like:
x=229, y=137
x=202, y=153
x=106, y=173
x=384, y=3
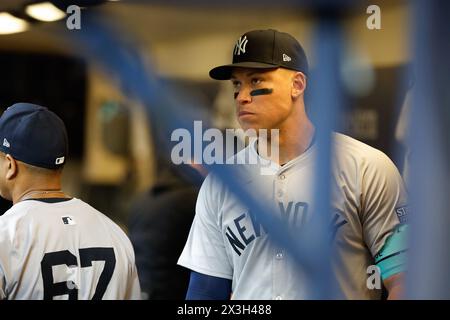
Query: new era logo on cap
x=59, y=160
x=286, y=57
x=6, y=143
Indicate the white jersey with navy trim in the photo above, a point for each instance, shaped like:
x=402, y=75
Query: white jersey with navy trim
x=64, y=250
x=226, y=240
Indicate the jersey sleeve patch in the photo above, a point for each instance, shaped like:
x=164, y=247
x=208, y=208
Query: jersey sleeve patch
x=402, y=214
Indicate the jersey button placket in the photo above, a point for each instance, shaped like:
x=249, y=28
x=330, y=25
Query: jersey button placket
x=280, y=282
x=279, y=272
x=280, y=185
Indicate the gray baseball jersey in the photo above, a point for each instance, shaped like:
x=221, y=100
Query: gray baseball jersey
x=64, y=250
x=226, y=240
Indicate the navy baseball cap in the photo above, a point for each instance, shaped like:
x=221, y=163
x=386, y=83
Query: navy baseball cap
x=34, y=135
x=264, y=49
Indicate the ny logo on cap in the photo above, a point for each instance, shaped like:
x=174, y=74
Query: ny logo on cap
x=240, y=45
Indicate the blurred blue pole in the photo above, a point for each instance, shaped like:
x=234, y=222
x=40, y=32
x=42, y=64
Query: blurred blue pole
x=324, y=109
x=429, y=254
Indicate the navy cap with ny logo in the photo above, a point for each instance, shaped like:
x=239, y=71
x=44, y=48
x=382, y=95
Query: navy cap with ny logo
x=264, y=49
x=35, y=135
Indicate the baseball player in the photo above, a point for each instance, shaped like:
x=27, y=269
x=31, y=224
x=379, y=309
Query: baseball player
x=53, y=246
x=229, y=252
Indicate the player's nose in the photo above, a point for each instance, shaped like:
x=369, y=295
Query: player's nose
x=243, y=96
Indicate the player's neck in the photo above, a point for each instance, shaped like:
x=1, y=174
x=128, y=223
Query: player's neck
x=39, y=193
x=292, y=142
x=33, y=184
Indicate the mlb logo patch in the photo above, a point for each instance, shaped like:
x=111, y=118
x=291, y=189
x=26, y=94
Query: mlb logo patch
x=402, y=214
x=68, y=220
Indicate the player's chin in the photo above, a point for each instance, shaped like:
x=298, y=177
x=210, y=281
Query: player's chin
x=250, y=124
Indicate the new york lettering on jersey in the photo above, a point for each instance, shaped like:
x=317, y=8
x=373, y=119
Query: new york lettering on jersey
x=246, y=228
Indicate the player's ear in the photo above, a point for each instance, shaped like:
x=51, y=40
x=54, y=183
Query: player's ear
x=298, y=84
x=10, y=165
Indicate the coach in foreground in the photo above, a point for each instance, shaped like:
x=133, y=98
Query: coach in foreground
x=53, y=246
